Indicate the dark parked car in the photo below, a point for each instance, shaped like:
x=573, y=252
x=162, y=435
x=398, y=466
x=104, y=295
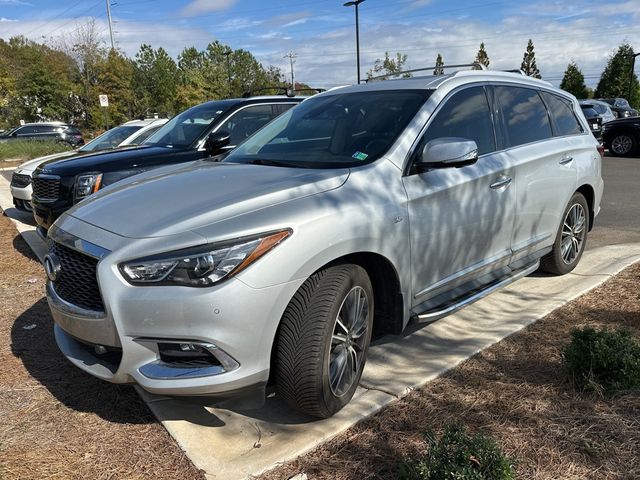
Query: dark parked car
x=45, y=131
x=620, y=107
x=622, y=136
x=593, y=119
x=209, y=129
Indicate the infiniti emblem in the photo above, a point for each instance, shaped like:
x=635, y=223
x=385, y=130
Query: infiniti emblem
x=52, y=266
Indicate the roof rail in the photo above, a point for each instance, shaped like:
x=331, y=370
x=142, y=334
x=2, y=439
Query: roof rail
x=515, y=70
x=281, y=91
x=475, y=65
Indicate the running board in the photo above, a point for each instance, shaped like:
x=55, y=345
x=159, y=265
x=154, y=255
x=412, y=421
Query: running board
x=436, y=314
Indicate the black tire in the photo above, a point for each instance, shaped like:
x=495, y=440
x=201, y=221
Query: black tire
x=558, y=261
x=623, y=145
x=307, y=341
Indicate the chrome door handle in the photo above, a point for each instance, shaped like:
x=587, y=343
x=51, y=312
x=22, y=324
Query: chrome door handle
x=566, y=159
x=502, y=181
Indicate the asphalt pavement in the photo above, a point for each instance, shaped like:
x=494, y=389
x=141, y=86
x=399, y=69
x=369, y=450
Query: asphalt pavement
x=619, y=218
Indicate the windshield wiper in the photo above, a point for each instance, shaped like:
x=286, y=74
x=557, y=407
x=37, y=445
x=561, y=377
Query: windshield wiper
x=273, y=163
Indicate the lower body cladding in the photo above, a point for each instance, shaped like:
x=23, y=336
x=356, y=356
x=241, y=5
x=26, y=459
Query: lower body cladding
x=176, y=341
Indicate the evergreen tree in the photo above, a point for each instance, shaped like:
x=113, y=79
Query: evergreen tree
x=481, y=57
x=389, y=66
x=439, y=70
x=529, y=66
x=614, y=81
x=573, y=81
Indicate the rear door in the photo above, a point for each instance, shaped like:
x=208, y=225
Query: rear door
x=460, y=218
x=542, y=152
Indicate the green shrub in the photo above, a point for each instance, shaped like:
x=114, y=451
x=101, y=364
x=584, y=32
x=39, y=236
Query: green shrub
x=25, y=150
x=604, y=361
x=459, y=456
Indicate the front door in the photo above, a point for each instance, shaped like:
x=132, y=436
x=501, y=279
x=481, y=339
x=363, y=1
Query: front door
x=461, y=219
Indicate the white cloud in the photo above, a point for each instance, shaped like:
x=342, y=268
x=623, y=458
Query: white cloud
x=14, y=2
x=2, y=19
x=198, y=7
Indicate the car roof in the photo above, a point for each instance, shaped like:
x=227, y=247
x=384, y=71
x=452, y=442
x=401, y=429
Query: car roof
x=54, y=124
x=145, y=122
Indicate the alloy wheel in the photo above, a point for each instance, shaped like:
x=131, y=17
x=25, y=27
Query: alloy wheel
x=348, y=341
x=621, y=145
x=573, y=233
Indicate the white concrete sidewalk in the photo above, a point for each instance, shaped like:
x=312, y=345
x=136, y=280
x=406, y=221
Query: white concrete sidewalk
x=233, y=445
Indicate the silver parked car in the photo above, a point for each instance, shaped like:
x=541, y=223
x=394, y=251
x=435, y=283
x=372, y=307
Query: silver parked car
x=353, y=214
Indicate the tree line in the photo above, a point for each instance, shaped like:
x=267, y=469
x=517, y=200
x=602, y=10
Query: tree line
x=62, y=80
x=614, y=81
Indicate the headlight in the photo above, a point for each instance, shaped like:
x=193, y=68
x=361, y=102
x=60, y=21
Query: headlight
x=201, y=266
x=86, y=185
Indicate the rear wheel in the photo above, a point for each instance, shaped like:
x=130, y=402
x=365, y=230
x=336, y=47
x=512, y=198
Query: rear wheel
x=623, y=145
x=571, y=238
x=323, y=340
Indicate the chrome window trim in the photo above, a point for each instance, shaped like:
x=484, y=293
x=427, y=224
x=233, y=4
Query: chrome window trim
x=222, y=122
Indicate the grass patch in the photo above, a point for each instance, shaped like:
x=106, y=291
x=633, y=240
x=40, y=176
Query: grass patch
x=460, y=456
x=25, y=150
x=604, y=361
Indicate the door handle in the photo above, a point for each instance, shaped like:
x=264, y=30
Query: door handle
x=501, y=181
x=566, y=159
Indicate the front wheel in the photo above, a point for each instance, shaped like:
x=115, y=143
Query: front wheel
x=323, y=340
x=571, y=238
x=623, y=145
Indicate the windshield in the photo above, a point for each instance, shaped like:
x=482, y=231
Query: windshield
x=9, y=131
x=111, y=138
x=331, y=131
x=621, y=103
x=184, y=129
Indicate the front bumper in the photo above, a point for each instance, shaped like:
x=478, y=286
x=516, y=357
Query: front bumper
x=236, y=322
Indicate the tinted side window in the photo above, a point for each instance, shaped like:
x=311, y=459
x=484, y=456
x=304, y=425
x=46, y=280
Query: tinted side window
x=560, y=109
x=280, y=108
x=525, y=116
x=467, y=115
x=247, y=121
x=27, y=130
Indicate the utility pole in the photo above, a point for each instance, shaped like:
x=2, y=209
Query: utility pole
x=633, y=67
x=110, y=25
x=291, y=56
x=228, y=55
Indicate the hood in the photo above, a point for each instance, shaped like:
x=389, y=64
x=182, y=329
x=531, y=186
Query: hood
x=190, y=196
x=31, y=165
x=119, y=158
x=624, y=121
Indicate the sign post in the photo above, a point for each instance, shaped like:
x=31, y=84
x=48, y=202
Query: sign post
x=104, y=103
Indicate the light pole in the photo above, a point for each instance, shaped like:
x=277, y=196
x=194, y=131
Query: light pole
x=228, y=55
x=633, y=66
x=355, y=3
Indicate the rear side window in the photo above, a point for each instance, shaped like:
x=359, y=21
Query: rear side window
x=247, y=121
x=525, y=116
x=565, y=120
x=467, y=115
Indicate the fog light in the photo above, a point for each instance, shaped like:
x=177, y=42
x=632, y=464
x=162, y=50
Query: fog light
x=100, y=349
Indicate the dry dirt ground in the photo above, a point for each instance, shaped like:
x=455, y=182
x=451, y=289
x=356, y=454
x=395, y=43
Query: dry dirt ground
x=57, y=422
x=518, y=392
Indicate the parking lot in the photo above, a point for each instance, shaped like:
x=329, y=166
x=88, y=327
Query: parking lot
x=228, y=444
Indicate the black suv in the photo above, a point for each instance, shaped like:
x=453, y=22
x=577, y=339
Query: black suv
x=52, y=131
x=593, y=119
x=622, y=136
x=620, y=107
x=209, y=129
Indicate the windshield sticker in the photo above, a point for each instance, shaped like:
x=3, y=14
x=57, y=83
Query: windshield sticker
x=360, y=156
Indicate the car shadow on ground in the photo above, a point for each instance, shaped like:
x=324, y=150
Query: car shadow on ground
x=21, y=247
x=36, y=347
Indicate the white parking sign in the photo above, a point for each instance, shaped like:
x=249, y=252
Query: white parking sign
x=104, y=100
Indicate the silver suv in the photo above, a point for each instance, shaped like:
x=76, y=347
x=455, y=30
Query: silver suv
x=355, y=213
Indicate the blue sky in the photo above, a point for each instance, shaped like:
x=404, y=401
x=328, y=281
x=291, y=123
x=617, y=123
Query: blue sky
x=321, y=32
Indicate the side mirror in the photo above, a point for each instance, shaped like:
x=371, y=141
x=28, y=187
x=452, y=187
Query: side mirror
x=216, y=141
x=447, y=152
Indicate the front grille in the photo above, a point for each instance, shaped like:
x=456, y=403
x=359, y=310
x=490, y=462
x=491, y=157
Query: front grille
x=77, y=282
x=19, y=180
x=46, y=188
